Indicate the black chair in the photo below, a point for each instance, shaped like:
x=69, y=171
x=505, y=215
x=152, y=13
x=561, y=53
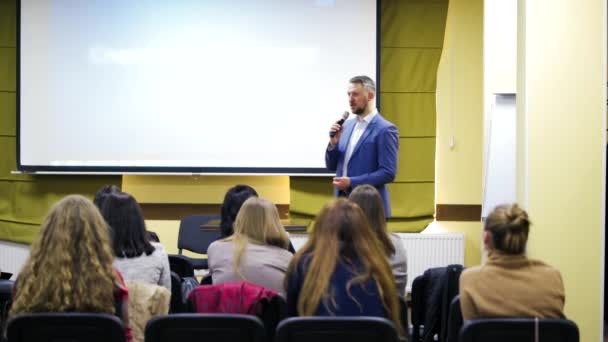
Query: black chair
x=181, y=265
x=193, y=238
x=6, y=299
x=432, y=293
x=177, y=304
x=332, y=329
x=454, y=320
x=73, y=327
x=519, y=329
x=205, y=327
x=403, y=313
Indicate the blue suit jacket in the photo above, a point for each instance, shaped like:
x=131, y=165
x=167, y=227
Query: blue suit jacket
x=374, y=159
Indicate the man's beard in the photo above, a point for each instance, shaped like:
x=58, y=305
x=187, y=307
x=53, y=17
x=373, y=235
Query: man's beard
x=359, y=110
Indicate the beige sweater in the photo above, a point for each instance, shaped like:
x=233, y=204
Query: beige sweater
x=511, y=286
x=262, y=265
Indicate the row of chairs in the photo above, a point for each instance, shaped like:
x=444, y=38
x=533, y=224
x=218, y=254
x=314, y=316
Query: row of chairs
x=78, y=327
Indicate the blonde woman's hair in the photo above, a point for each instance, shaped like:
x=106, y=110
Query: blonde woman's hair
x=509, y=225
x=70, y=264
x=341, y=232
x=257, y=222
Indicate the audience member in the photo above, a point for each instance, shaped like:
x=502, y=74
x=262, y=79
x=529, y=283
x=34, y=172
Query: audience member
x=256, y=252
x=233, y=200
x=342, y=269
x=509, y=284
x=370, y=201
x=136, y=257
x=70, y=265
x=103, y=193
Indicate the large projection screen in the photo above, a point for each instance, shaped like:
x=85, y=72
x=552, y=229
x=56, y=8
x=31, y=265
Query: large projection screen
x=242, y=86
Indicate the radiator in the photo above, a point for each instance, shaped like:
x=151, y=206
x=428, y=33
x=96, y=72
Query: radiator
x=12, y=257
x=425, y=251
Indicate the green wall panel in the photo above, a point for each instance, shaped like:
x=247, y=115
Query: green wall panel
x=409, y=69
x=8, y=69
x=409, y=225
x=413, y=24
x=7, y=160
x=8, y=23
x=18, y=232
x=309, y=194
x=412, y=199
x=8, y=109
x=416, y=160
x=412, y=113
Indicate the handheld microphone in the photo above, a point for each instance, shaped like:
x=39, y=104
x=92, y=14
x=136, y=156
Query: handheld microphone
x=340, y=122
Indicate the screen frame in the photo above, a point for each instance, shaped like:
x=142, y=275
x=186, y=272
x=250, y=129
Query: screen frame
x=289, y=171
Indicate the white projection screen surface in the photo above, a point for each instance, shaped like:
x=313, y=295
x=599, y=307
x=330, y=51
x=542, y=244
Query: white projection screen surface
x=243, y=86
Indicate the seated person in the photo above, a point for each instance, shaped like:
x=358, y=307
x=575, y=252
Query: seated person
x=70, y=265
x=509, y=284
x=256, y=252
x=137, y=258
x=370, y=201
x=342, y=269
x=233, y=200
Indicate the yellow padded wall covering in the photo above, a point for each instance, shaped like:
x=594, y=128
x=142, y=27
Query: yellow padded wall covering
x=25, y=200
x=412, y=41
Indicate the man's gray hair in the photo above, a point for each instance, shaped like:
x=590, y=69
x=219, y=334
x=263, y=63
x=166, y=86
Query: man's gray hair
x=365, y=81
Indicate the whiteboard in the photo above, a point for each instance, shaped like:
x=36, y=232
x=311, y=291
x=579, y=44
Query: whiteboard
x=501, y=163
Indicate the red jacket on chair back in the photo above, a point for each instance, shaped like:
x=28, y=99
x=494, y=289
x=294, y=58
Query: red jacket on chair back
x=237, y=298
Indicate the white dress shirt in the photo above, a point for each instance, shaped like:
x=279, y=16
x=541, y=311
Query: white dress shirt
x=360, y=127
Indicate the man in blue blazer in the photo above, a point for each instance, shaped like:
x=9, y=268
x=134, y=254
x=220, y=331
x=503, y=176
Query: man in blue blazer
x=364, y=149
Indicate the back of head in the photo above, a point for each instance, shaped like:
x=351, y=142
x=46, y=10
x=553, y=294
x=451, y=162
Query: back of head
x=509, y=226
x=258, y=220
x=70, y=264
x=103, y=193
x=124, y=216
x=369, y=200
x=233, y=200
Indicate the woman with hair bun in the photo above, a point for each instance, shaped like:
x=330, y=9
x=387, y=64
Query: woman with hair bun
x=510, y=284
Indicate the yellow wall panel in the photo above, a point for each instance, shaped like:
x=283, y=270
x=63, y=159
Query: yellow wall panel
x=202, y=189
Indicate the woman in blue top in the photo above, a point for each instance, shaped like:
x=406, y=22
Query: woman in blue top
x=342, y=269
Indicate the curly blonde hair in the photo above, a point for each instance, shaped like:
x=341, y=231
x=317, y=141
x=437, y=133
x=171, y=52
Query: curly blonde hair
x=70, y=264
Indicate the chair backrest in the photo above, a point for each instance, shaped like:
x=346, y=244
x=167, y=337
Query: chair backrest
x=191, y=237
x=331, y=329
x=519, y=329
x=205, y=327
x=403, y=313
x=418, y=306
x=454, y=320
x=6, y=300
x=177, y=300
x=181, y=265
x=73, y=327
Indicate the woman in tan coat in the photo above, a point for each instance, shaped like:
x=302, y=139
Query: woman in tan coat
x=509, y=284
